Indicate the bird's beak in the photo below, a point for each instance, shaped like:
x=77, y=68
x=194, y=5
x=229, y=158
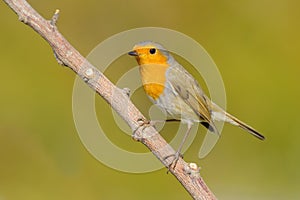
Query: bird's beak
x=133, y=53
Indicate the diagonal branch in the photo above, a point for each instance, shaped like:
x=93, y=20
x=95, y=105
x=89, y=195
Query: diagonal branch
x=186, y=173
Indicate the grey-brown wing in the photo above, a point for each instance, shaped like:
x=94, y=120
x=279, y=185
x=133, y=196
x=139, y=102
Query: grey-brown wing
x=191, y=93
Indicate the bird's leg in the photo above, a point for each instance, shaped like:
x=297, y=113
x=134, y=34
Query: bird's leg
x=145, y=123
x=178, y=154
x=142, y=123
x=154, y=122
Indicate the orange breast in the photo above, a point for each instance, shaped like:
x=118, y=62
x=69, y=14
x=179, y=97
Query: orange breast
x=154, y=90
x=153, y=78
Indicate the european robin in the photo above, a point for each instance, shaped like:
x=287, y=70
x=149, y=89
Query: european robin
x=176, y=91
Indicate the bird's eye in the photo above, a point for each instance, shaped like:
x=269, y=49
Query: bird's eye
x=152, y=51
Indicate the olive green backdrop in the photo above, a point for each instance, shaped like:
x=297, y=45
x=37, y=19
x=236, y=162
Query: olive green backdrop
x=254, y=43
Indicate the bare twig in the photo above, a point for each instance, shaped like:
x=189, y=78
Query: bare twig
x=55, y=17
x=187, y=174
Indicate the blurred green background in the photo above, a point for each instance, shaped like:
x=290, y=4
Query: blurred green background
x=254, y=43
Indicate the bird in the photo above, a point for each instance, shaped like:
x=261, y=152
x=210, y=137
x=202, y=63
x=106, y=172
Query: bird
x=172, y=88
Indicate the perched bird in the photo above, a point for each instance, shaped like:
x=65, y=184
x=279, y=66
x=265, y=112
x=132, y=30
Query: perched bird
x=176, y=91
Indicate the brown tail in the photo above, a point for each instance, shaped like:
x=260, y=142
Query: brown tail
x=233, y=120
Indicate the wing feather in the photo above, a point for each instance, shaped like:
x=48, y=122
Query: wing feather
x=191, y=93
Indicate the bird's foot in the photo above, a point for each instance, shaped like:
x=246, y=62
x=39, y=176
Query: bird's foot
x=142, y=124
x=174, y=161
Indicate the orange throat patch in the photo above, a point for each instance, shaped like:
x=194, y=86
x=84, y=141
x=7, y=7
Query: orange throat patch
x=153, y=78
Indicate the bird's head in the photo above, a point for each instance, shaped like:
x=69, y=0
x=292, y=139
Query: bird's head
x=147, y=53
